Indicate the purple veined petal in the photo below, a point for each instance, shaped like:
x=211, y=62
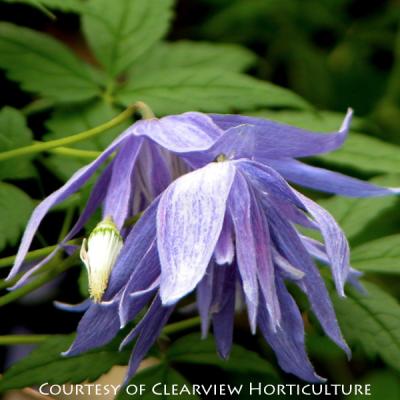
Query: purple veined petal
x=151, y=327
x=97, y=327
x=269, y=182
x=246, y=259
x=328, y=181
x=293, y=214
x=144, y=276
x=265, y=267
x=286, y=268
x=187, y=132
x=317, y=250
x=138, y=243
x=80, y=307
x=337, y=247
x=204, y=293
x=225, y=249
x=95, y=199
x=223, y=308
x=288, y=341
x=117, y=203
x=78, y=179
x=189, y=221
x=289, y=244
x=154, y=170
x=261, y=139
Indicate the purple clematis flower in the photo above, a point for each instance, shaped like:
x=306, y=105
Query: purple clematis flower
x=227, y=227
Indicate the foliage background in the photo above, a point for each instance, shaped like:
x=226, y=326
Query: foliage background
x=70, y=65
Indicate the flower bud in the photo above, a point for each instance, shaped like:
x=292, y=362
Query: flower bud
x=99, y=253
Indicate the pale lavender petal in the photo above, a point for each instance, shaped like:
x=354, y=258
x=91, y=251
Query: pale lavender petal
x=117, y=203
x=189, y=221
x=288, y=341
x=79, y=178
x=328, y=181
x=287, y=269
x=291, y=247
x=225, y=248
x=187, y=132
x=261, y=139
x=337, y=247
x=95, y=199
x=240, y=211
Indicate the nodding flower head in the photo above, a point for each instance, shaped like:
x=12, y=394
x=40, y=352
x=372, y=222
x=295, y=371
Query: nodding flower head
x=99, y=253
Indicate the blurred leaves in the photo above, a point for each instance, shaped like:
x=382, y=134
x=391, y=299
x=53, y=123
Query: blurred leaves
x=15, y=209
x=14, y=133
x=46, y=364
x=372, y=321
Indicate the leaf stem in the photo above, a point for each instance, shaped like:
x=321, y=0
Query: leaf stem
x=181, y=325
x=22, y=339
x=44, y=146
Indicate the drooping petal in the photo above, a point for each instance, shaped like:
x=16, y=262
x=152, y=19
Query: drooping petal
x=118, y=200
x=337, y=247
x=223, y=308
x=95, y=199
x=288, y=340
x=98, y=326
x=78, y=179
x=137, y=244
x=80, y=307
x=204, y=294
x=225, y=248
x=289, y=244
x=150, y=328
x=240, y=211
x=328, y=181
x=261, y=139
x=189, y=221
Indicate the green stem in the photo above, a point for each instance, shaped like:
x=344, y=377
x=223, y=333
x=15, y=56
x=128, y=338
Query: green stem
x=7, y=340
x=44, y=146
x=32, y=255
x=181, y=325
x=37, y=283
x=76, y=153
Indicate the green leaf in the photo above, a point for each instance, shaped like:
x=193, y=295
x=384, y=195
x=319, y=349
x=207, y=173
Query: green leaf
x=45, y=364
x=160, y=374
x=193, y=350
x=354, y=215
x=359, y=151
x=14, y=133
x=15, y=209
x=381, y=255
x=69, y=120
x=373, y=321
x=44, y=66
x=176, y=90
x=121, y=31
x=184, y=54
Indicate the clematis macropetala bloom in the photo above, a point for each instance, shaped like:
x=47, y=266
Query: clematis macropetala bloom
x=227, y=226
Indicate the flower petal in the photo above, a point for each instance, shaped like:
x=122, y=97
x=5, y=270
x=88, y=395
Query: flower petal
x=225, y=248
x=328, y=181
x=204, y=298
x=74, y=183
x=261, y=139
x=189, y=222
x=288, y=341
x=118, y=200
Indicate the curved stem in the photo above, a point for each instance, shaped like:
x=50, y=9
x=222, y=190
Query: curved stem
x=77, y=153
x=44, y=146
x=181, y=325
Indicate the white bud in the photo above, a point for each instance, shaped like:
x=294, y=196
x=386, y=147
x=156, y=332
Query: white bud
x=99, y=253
